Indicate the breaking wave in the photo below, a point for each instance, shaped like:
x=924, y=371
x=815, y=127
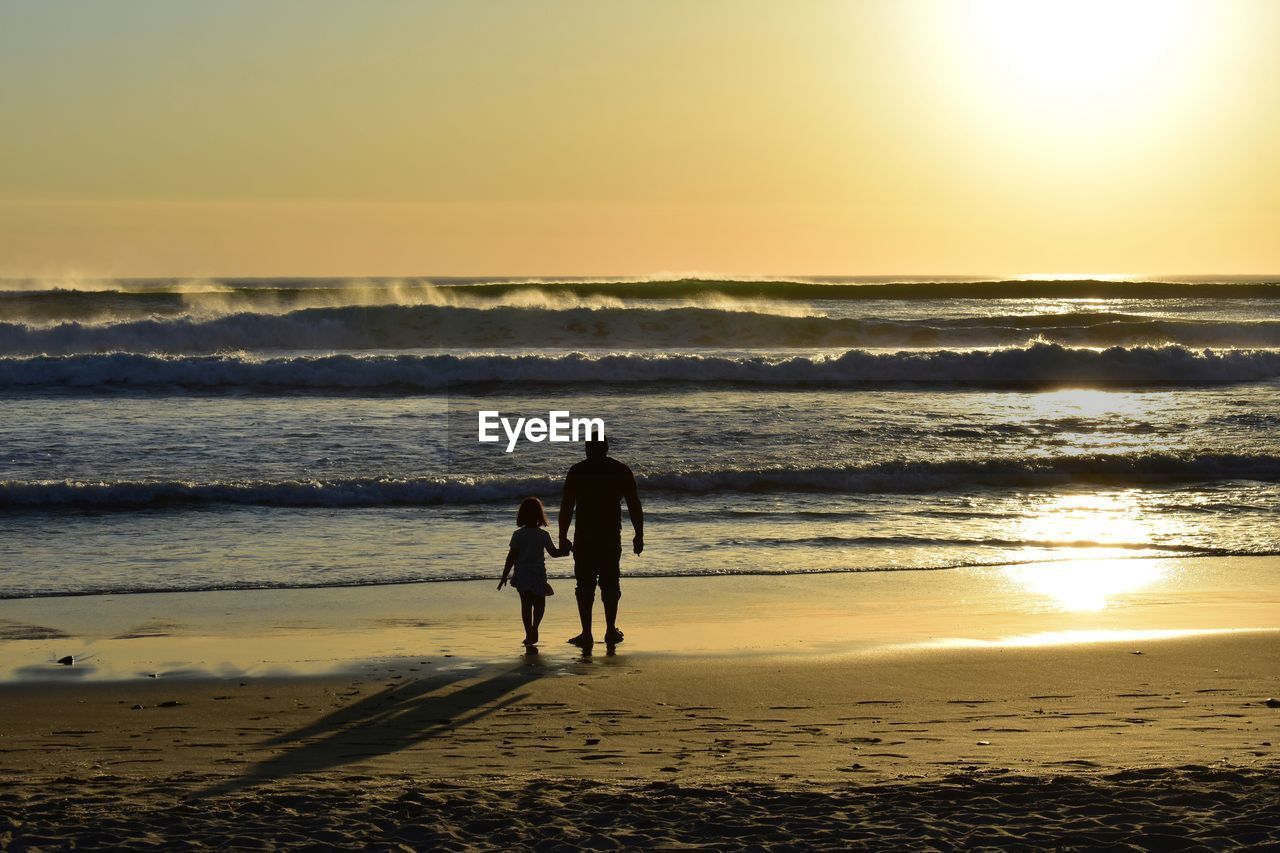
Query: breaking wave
x=1039, y=363
x=744, y=325
x=209, y=301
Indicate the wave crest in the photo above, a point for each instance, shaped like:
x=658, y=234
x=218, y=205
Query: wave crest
x=883, y=477
x=715, y=323
x=1037, y=364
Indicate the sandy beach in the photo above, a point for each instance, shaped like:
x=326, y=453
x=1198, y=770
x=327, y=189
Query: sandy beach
x=294, y=722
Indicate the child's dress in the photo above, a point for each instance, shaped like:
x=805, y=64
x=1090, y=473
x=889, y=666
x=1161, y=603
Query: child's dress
x=531, y=565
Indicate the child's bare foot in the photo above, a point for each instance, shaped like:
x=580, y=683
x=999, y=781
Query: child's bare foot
x=530, y=640
x=582, y=641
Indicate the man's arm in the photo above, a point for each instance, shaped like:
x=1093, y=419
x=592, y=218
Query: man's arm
x=634, y=510
x=567, y=503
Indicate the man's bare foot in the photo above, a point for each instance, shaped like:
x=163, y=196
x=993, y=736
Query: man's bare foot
x=613, y=636
x=582, y=640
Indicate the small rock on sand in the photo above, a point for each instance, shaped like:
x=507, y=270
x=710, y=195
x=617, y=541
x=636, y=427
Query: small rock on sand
x=66, y=661
x=1273, y=703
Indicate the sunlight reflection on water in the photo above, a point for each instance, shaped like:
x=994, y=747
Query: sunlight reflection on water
x=1100, y=519
x=1086, y=585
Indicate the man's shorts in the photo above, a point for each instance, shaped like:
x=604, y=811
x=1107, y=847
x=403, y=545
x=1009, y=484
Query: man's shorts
x=598, y=563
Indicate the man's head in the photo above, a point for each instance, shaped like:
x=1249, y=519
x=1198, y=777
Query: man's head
x=597, y=448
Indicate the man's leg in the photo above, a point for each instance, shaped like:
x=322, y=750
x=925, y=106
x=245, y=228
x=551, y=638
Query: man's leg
x=586, y=601
x=610, y=593
x=585, y=573
x=611, y=615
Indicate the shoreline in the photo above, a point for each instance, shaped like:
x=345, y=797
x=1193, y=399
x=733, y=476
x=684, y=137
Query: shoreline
x=566, y=577
x=323, y=630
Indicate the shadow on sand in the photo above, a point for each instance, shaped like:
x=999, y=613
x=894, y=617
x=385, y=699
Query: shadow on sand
x=390, y=720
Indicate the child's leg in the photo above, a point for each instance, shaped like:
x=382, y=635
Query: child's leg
x=526, y=613
x=537, y=604
x=539, y=608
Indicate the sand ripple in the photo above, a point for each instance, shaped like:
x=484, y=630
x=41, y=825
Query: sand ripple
x=1149, y=809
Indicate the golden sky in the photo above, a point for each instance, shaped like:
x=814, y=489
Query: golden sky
x=581, y=137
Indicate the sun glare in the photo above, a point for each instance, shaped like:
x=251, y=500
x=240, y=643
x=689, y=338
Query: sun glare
x=1093, y=403
x=1091, y=519
x=1103, y=526
x=1086, y=585
x=1084, y=48
x=1081, y=67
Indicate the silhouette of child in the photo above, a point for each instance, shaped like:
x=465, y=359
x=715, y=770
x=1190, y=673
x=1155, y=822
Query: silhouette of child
x=527, y=546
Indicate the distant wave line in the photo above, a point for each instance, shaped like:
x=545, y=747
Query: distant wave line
x=660, y=287
x=872, y=478
x=914, y=290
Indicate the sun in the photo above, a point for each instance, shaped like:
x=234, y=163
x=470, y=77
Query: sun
x=1076, y=65
x=1084, y=49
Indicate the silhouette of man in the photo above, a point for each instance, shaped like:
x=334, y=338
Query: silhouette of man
x=595, y=487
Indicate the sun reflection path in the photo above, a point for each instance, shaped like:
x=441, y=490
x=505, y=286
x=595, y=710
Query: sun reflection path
x=1102, y=525
x=1113, y=518
x=1087, y=402
x=1082, y=637
x=1086, y=420
x=1086, y=585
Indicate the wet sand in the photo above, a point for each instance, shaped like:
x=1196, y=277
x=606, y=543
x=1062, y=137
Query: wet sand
x=1158, y=738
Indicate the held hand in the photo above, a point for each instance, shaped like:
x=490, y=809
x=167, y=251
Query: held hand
x=565, y=544
x=637, y=544
x=502, y=583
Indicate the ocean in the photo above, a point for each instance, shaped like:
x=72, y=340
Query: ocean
x=221, y=434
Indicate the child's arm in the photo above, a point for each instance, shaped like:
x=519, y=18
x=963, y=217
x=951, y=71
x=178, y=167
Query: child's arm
x=558, y=552
x=506, y=569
